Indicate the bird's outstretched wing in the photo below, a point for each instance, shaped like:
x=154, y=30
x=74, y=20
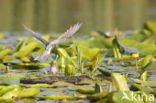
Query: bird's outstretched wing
x=71, y=31
x=36, y=35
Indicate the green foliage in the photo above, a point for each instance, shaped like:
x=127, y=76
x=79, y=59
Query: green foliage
x=1, y=35
x=70, y=70
x=143, y=76
x=146, y=61
x=25, y=50
x=59, y=97
x=4, y=52
x=7, y=89
x=104, y=72
x=151, y=25
x=119, y=82
x=84, y=89
x=116, y=48
x=30, y=92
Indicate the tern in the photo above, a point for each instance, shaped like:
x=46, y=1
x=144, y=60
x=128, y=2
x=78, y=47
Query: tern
x=49, y=46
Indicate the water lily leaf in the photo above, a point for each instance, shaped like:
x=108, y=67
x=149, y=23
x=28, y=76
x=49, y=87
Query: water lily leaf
x=100, y=42
x=58, y=97
x=97, y=96
x=143, y=47
x=86, y=81
x=151, y=66
x=2, y=66
x=40, y=85
x=86, y=51
x=96, y=62
x=61, y=84
x=118, y=85
x=30, y=92
x=145, y=83
x=84, y=89
x=29, y=65
x=3, y=100
x=4, y=52
x=25, y=50
x=104, y=72
x=138, y=87
x=46, y=37
x=119, y=97
x=8, y=58
x=12, y=93
x=7, y=89
x=151, y=25
x=146, y=61
x=11, y=78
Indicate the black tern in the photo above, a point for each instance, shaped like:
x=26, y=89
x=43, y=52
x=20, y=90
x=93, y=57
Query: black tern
x=49, y=46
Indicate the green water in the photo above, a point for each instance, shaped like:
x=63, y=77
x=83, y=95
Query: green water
x=57, y=15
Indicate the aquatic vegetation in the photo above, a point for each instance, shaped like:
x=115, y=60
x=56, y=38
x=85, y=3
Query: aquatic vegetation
x=102, y=68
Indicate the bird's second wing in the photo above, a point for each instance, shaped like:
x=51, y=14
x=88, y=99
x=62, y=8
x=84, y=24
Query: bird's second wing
x=37, y=36
x=72, y=30
x=68, y=33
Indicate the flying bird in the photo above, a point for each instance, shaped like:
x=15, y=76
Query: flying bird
x=49, y=46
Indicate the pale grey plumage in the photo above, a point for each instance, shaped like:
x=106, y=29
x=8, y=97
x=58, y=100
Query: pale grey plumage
x=68, y=33
x=49, y=46
x=36, y=35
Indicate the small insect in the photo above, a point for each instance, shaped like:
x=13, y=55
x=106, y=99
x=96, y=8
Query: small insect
x=49, y=46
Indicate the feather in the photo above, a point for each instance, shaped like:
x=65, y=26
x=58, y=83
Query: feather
x=34, y=34
x=71, y=31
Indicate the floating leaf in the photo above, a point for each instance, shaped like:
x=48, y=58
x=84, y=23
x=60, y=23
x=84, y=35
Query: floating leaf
x=96, y=62
x=7, y=89
x=120, y=97
x=86, y=81
x=2, y=66
x=25, y=50
x=30, y=92
x=146, y=61
x=58, y=97
x=144, y=76
x=61, y=84
x=12, y=93
x=41, y=85
x=138, y=87
x=11, y=78
x=104, y=72
x=145, y=83
x=118, y=85
x=4, y=52
x=97, y=96
x=3, y=100
x=151, y=25
x=85, y=89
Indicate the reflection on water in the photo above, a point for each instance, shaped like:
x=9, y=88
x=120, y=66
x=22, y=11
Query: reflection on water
x=57, y=15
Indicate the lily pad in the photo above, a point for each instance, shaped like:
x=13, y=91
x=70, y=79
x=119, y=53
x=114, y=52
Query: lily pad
x=30, y=92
